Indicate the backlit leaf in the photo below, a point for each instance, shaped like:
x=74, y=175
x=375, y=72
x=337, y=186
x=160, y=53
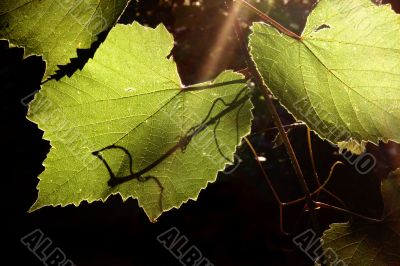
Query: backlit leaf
x=342, y=77
x=128, y=111
x=55, y=29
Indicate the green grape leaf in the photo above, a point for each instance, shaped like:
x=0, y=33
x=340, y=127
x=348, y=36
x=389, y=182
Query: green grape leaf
x=342, y=76
x=56, y=29
x=125, y=125
x=372, y=243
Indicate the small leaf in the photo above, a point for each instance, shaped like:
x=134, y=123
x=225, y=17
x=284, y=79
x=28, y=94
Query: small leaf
x=56, y=29
x=352, y=146
x=125, y=125
x=370, y=244
x=342, y=77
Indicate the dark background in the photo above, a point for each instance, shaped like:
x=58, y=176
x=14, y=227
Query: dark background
x=234, y=222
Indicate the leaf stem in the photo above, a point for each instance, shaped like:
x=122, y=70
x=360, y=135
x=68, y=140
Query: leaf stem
x=269, y=20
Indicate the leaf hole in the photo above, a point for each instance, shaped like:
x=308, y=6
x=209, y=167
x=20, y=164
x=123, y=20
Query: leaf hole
x=323, y=26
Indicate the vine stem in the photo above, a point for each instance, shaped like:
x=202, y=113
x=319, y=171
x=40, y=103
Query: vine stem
x=268, y=100
x=299, y=173
x=319, y=189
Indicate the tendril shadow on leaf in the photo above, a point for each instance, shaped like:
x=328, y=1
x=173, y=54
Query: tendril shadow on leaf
x=115, y=181
x=217, y=124
x=213, y=85
x=238, y=102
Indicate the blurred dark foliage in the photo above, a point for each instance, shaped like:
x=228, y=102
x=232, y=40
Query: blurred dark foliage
x=235, y=221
